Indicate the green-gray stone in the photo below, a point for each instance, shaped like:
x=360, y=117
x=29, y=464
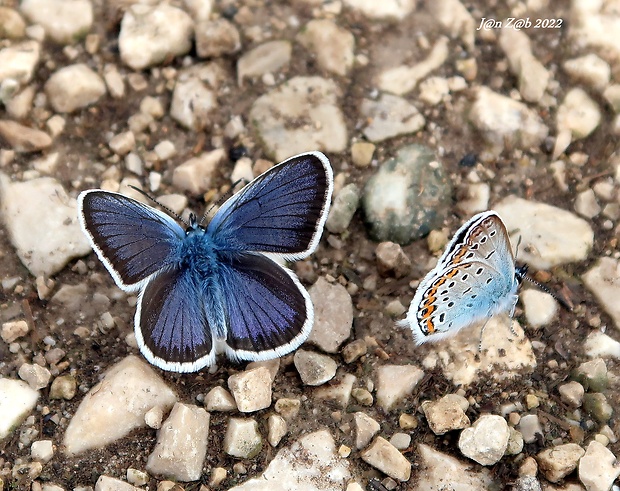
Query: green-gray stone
x=592, y=375
x=597, y=406
x=408, y=196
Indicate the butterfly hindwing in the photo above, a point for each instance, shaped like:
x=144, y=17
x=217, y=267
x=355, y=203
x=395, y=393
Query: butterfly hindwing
x=132, y=240
x=268, y=313
x=281, y=212
x=172, y=327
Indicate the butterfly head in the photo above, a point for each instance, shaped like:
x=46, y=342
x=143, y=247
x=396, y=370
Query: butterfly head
x=192, y=225
x=521, y=272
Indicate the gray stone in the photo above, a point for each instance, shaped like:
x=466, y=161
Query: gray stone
x=151, y=34
x=12, y=25
x=446, y=414
x=558, y=462
x=365, y=429
x=63, y=387
x=219, y=399
x=391, y=260
x=36, y=376
x=382, y=455
x=592, y=375
x=600, y=345
x=589, y=70
x=265, y=58
x=333, y=315
x=503, y=122
x=390, y=116
x=311, y=100
x=314, y=368
x=251, y=389
x=408, y=196
x=338, y=391
x=216, y=38
x=549, y=236
x=311, y=463
x=195, y=175
x=540, y=307
x=486, y=440
x=65, y=22
x=597, y=406
x=276, y=428
x=395, y=383
x=343, y=208
x=576, y=118
x=19, y=61
x=386, y=9
x=116, y=406
x=603, y=280
x=572, y=393
x=25, y=205
x=13, y=330
x=598, y=468
x=242, y=438
x=74, y=87
x=42, y=450
x=17, y=400
x=192, y=103
x=181, y=444
x=530, y=428
x=22, y=138
x=333, y=46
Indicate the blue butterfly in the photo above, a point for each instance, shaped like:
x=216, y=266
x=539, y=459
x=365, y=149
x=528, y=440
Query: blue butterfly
x=206, y=289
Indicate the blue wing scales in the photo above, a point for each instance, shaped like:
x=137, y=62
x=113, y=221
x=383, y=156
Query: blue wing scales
x=281, y=212
x=132, y=240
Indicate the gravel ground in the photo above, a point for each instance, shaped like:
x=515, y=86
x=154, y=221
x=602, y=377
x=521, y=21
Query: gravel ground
x=429, y=112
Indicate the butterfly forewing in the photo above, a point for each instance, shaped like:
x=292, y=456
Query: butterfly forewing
x=268, y=312
x=132, y=240
x=281, y=212
x=172, y=328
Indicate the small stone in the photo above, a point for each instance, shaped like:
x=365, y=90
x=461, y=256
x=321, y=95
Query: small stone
x=531, y=401
x=540, y=307
x=486, y=440
x=382, y=455
x=589, y=70
x=577, y=117
x=530, y=428
x=114, y=81
x=154, y=417
x=116, y=406
x=395, y=309
x=365, y=429
x=12, y=25
x=333, y=46
x=13, y=330
x=363, y=396
x=333, y=315
x=137, y=477
x=433, y=90
x=64, y=22
x=287, y=408
x=403, y=79
x=242, y=439
x=276, y=429
x=217, y=37
x=63, y=387
x=219, y=399
x=475, y=198
x=152, y=33
x=181, y=444
x=396, y=199
x=314, y=368
x=599, y=345
x=17, y=66
x=407, y=421
x=133, y=163
x=524, y=129
x=549, y=236
x=42, y=450
x=598, y=468
x=597, y=406
x=603, y=280
x=242, y=172
x=218, y=475
x=272, y=365
x=515, y=442
x=558, y=462
x=106, y=483
x=354, y=350
x=446, y=414
x=123, y=143
x=338, y=391
x=251, y=389
x=192, y=103
x=265, y=58
x=390, y=116
x=35, y=375
x=195, y=175
x=592, y=375
x=17, y=399
x=74, y=87
x=361, y=153
x=395, y=383
x=572, y=393
x=586, y=204
x=343, y=208
x=391, y=260
x=22, y=138
x=401, y=441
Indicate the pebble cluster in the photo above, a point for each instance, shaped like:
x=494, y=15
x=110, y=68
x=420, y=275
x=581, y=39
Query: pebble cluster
x=424, y=116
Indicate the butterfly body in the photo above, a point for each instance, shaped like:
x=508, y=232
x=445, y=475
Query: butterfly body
x=201, y=288
x=475, y=279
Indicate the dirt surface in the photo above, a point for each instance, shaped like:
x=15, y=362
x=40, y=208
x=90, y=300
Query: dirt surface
x=84, y=144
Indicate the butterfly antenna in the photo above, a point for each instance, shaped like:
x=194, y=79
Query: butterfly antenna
x=546, y=289
x=170, y=212
x=222, y=198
